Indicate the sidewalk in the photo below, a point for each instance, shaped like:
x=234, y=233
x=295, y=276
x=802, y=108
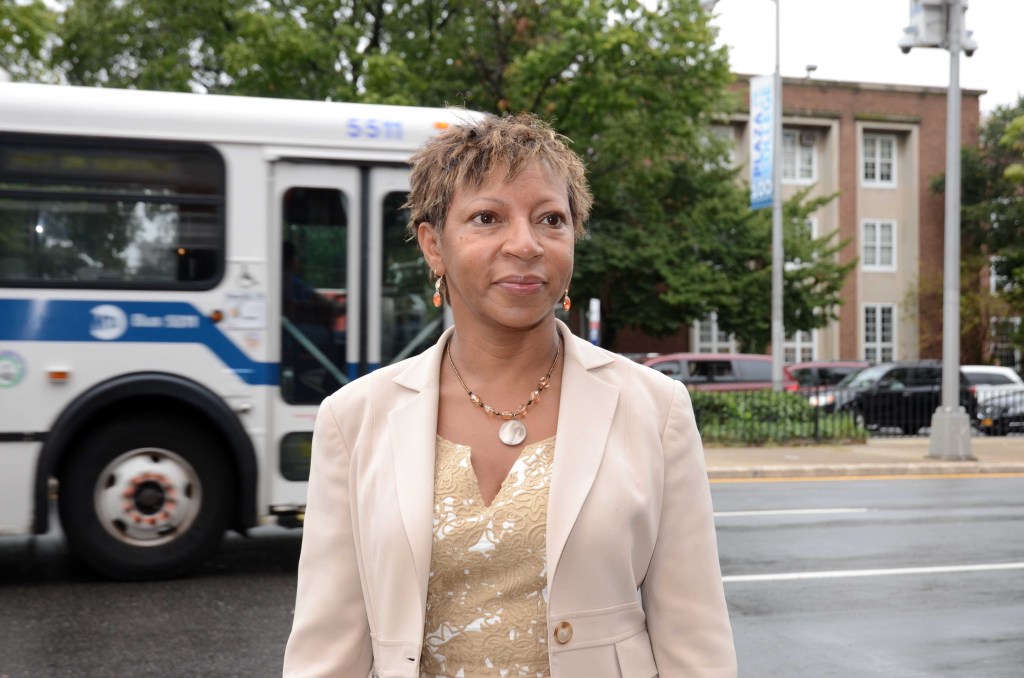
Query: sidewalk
x=877, y=457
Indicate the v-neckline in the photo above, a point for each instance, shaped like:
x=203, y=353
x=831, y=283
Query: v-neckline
x=478, y=495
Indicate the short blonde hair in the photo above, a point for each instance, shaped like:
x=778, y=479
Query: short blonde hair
x=464, y=155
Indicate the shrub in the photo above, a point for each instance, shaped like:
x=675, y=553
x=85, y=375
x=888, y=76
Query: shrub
x=757, y=417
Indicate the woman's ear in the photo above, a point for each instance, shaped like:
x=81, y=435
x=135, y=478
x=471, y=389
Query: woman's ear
x=430, y=243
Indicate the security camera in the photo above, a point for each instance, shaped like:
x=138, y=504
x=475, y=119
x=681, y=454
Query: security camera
x=969, y=45
x=908, y=40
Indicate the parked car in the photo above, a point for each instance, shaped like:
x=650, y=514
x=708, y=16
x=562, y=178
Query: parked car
x=640, y=357
x=889, y=395
x=902, y=394
x=1001, y=414
x=718, y=371
x=987, y=381
x=823, y=372
x=835, y=399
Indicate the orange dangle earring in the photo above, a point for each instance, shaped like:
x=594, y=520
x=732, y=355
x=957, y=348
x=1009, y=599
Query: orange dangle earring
x=566, y=301
x=437, y=292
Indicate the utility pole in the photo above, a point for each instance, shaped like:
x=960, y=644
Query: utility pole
x=778, y=259
x=940, y=23
x=778, y=255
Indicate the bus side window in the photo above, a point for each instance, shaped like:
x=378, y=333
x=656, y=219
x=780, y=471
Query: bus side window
x=98, y=213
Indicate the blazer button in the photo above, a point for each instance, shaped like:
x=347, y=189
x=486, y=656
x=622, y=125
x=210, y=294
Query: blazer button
x=563, y=632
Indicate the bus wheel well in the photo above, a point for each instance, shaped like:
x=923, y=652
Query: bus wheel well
x=146, y=496
x=139, y=406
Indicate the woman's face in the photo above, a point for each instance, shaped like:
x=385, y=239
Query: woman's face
x=507, y=248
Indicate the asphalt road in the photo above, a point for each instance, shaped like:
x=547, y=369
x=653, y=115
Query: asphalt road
x=231, y=619
x=823, y=579
x=895, y=578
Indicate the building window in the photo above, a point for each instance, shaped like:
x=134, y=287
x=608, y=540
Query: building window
x=710, y=339
x=727, y=135
x=811, y=228
x=799, y=159
x=1004, y=348
x=878, y=245
x=800, y=347
x=879, y=168
x=879, y=332
x=999, y=283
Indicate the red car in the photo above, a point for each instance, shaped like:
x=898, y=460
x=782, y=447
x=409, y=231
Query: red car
x=823, y=372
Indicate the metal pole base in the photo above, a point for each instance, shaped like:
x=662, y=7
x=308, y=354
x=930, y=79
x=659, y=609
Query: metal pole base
x=951, y=435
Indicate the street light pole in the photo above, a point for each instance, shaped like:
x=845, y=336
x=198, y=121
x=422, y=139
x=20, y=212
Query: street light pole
x=951, y=427
x=778, y=329
x=940, y=23
x=778, y=332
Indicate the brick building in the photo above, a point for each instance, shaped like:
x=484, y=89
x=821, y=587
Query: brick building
x=879, y=147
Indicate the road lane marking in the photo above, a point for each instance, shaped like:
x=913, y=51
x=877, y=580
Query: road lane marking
x=839, y=574
x=789, y=512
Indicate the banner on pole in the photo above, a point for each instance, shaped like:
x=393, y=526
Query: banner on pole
x=762, y=114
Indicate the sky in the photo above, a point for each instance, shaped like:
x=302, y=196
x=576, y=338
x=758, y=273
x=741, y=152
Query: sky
x=855, y=40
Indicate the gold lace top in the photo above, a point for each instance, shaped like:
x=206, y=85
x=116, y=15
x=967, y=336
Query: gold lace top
x=487, y=591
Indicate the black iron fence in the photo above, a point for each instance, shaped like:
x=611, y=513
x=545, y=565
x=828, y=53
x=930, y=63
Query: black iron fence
x=842, y=415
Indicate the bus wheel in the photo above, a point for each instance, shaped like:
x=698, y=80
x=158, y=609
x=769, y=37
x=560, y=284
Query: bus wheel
x=145, y=498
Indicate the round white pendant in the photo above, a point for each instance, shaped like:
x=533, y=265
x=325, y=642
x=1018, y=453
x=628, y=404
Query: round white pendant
x=512, y=432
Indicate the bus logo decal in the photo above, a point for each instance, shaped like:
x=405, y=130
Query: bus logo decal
x=12, y=369
x=109, y=322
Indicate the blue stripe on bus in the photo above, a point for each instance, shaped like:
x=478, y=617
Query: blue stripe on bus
x=352, y=371
x=146, y=322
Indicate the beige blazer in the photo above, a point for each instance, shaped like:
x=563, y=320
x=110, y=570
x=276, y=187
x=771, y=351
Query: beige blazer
x=629, y=519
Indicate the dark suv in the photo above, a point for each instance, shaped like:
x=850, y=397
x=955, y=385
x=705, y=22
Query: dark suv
x=903, y=394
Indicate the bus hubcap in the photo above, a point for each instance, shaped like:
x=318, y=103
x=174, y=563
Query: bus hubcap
x=147, y=497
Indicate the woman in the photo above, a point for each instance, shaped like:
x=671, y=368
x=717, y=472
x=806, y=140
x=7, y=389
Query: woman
x=514, y=501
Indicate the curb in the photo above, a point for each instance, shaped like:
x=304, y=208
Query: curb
x=833, y=470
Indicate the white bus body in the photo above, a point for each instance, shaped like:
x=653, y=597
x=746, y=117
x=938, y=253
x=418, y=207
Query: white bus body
x=182, y=279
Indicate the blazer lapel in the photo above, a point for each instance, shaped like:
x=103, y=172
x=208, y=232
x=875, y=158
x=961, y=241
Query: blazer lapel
x=412, y=430
x=585, y=410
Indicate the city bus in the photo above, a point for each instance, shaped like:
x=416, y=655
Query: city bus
x=183, y=278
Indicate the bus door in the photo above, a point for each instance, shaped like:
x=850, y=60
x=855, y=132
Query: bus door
x=355, y=294
x=401, y=318
x=315, y=211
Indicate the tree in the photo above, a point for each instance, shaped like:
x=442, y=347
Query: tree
x=274, y=48
x=635, y=86
x=712, y=253
x=991, y=223
x=25, y=29
x=1009, y=221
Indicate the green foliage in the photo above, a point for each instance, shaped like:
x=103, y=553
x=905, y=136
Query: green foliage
x=635, y=84
x=992, y=223
x=1010, y=225
x=25, y=28
x=1013, y=139
x=758, y=417
x=812, y=280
